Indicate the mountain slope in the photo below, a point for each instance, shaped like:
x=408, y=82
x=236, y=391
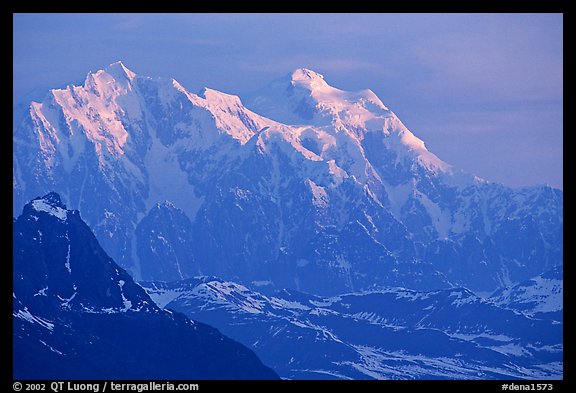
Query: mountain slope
x=387, y=334
x=312, y=182
x=78, y=315
x=539, y=297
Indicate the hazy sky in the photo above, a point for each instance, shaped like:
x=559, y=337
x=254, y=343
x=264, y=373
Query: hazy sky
x=484, y=91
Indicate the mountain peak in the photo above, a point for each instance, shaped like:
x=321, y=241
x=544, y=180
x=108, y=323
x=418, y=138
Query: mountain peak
x=53, y=199
x=306, y=74
x=307, y=77
x=51, y=204
x=119, y=71
x=73, y=306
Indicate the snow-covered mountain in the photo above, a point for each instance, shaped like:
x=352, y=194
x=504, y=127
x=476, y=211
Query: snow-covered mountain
x=312, y=188
x=540, y=297
x=78, y=315
x=388, y=334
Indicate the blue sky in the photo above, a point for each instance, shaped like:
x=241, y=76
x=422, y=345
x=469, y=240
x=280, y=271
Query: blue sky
x=484, y=91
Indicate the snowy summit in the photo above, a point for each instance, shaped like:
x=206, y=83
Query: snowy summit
x=52, y=205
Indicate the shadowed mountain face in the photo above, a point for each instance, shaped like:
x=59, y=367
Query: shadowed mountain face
x=311, y=188
x=78, y=315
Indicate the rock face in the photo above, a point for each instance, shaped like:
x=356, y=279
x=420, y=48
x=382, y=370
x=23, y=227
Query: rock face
x=164, y=241
x=312, y=188
x=78, y=315
x=386, y=334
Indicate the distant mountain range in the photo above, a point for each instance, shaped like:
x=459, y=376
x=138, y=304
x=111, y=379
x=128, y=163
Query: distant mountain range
x=389, y=334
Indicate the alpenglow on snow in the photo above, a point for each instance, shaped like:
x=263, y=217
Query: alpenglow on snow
x=300, y=185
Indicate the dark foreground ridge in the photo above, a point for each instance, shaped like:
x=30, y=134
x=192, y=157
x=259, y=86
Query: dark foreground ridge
x=78, y=315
